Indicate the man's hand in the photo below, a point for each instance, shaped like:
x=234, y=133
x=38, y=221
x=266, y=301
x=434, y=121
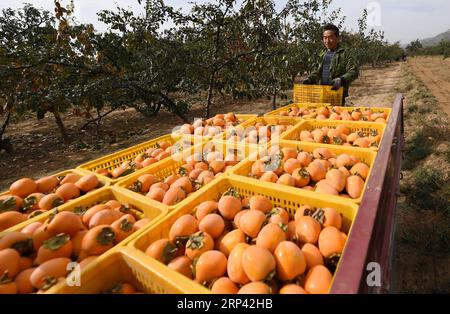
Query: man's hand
x=306, y=81
x=337, y=83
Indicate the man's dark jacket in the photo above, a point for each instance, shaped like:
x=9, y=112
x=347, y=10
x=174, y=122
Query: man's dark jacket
x=343, y=65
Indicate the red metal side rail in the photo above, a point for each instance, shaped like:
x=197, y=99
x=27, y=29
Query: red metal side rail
x=372, y=237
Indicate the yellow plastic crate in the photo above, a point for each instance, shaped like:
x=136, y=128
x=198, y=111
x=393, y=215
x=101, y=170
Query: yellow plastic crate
x=170, y=166
x=114, y=160
x=120, y=265
x=279, y=111
x=290, y=200
x=354, y=126
x=143, y=210
x=242, y=118
x=273, y=121
x=242, y=150
x=60, y=174
x=102, y=274
x=94, y=198
x=367, y=156
x=317, y=94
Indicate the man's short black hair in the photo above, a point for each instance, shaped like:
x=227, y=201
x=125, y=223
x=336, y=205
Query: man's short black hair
x=331, y=27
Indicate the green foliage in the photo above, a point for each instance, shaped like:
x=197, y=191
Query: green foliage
x=428, y=190
x=417, y=149
x=415, y=48
x=420, y=145
x=51, y=63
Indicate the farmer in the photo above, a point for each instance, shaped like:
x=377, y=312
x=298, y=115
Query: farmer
x=337, y=66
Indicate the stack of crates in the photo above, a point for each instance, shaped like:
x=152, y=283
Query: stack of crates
x=127, y=261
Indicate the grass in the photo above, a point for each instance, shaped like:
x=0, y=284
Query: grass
x=425, y=127
x=413, y=108
x=418, y=147
x=447, y=155
x=423, y=214
x=425, y=232
x=428, y=190
x=424, y=110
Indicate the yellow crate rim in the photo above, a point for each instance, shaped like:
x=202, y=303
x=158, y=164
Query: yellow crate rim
x=274, y=120
x=113, y=160
x=355, y=126
x=69, y=203
x=288, y=199
x=244, y=118
x=276, y=112
x=313, y=106
x=91, y=200
x=367, y=156
x=169, y=166
x=120, y=264
x=317, y=94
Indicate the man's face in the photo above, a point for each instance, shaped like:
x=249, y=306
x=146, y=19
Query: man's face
x=330, y=40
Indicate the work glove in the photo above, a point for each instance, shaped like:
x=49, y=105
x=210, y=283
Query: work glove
x=306, y=81
x=337, y=83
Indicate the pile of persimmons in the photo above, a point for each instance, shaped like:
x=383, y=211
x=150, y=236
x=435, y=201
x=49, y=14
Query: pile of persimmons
x=246, y=245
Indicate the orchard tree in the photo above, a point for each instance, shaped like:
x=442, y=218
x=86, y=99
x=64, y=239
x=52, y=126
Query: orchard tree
x=143, y=67
x=414, y=47
x=218, y=37
x=309, y=17
x=273, y=65
x=33, y=64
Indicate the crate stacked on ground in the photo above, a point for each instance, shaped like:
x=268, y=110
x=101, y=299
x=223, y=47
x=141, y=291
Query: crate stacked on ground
x=35, y=255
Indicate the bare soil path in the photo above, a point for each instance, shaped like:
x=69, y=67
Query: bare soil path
x=435, y=73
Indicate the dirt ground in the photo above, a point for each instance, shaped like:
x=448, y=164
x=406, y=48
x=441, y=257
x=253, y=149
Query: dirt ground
x=376, y=87
x=38, y=149
x=435, y=73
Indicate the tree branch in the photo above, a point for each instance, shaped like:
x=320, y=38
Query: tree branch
x=5, y=124
x=98, y=118
x=174, y=106
x=236, y=57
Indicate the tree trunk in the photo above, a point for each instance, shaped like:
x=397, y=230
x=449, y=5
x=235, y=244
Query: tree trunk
x=5, y=124
x=5, y=143
x=98, y=123
x=274, y=99
x=175, y=108
x=214, y=69
x=210, y=94
x=61, y=127
x=181, y=116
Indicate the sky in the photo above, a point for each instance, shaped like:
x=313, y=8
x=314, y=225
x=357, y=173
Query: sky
x=401, y=20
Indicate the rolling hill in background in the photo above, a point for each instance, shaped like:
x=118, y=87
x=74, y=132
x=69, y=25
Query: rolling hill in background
x=436, y=39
